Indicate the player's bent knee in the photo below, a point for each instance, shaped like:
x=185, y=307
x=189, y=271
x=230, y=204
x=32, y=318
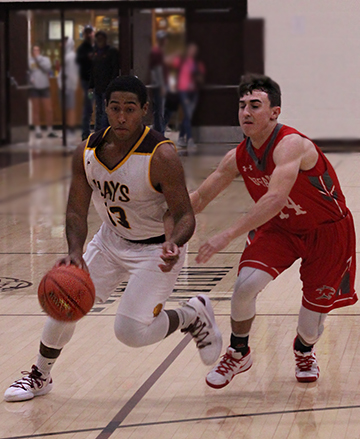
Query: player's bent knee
x=130, y=332
x=248, y=285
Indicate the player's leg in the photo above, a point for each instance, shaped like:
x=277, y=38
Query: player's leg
x=141, y=318
x=48, y=109
x=267, y=254
x=35, y=104
x=237, y=358
x=106, y=276
x=328, y=275
x=38, y=381
x=310, y=328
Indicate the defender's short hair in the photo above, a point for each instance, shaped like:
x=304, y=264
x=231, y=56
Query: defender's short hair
x=254, y=81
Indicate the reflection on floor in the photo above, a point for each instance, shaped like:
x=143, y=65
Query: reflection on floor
x=104, y=389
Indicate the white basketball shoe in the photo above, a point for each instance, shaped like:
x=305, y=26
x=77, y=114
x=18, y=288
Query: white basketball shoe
x=30, y=385
x=306, y=367
x=204, y=330
x=231, y=364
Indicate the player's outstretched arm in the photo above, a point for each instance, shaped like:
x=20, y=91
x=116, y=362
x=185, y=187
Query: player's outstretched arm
x=215, y=183
x=167, y=174
x=77, y=211
x=289, y=157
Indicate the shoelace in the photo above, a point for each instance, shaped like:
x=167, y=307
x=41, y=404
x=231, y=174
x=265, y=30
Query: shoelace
x=304, y=363
x=227, y=363
x=29, y=379
x=197, y=331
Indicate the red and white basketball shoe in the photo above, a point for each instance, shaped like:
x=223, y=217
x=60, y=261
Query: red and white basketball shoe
x=306, y=367
x=230, y=365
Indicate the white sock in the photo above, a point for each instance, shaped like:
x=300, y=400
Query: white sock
x=241, y=335
x=45, y=364
x=187, y=316
x=37, y=129
x=49, y=129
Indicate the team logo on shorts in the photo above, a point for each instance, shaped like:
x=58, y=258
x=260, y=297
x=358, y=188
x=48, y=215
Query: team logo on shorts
x=157, y=309
x=325, y=292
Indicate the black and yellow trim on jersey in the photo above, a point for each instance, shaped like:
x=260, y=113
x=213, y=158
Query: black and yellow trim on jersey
x=94, y=139
x=151, y=142
x=152, y=155
x=147, y=144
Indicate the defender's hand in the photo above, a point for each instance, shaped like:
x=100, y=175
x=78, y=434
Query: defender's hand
x=212, y=246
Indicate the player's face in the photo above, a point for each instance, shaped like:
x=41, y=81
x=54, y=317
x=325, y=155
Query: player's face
x=255, y=113
x=125, y=114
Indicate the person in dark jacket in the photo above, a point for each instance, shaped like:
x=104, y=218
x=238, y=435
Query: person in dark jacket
x=105, y=68
x=158, y=73
x=84, y=56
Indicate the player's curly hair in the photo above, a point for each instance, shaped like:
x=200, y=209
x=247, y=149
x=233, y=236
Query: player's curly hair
x=128, y=83
x=255, y=81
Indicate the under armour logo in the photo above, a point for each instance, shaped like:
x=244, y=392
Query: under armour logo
x=247, y=168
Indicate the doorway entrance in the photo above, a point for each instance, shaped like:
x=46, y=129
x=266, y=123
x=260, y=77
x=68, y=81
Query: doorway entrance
x=219, y=28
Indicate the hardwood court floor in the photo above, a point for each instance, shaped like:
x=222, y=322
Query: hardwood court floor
x=104, y=389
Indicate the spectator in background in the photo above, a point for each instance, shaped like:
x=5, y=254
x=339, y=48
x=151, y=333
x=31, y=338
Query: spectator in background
x=191, y=73
x=158, y=74
x=71, y=83
x=172, y=101
x=39, y=71
x=105, y=68
x=84, y=56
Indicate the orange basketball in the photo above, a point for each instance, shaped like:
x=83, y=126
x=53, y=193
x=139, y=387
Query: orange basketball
x=66, y=293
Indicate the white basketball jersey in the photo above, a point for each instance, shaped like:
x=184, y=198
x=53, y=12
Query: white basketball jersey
x=124, y=196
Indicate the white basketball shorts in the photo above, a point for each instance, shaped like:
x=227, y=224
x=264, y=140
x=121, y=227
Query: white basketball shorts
x=112, y=260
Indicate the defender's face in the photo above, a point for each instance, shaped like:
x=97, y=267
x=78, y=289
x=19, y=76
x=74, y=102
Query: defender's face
x=255, y=113
x=125, y=114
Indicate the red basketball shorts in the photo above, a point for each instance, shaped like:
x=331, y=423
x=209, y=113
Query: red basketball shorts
x=328, y=260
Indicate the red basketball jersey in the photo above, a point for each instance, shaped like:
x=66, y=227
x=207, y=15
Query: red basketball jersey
x=316, y=197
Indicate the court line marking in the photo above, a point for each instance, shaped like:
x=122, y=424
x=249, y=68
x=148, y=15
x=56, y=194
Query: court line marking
x=113, y=425
x=141, y=392
x=181, y=421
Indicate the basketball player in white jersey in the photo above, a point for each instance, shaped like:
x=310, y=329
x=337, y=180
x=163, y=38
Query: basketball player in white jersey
x=134, y=176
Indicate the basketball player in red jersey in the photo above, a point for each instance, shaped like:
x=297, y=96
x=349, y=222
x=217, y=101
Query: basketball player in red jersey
x=299, y=212
x=133, y=176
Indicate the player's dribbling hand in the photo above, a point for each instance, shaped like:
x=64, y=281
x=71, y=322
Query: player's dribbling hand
x=212, y=246
x=72, y=259
x=170, y=256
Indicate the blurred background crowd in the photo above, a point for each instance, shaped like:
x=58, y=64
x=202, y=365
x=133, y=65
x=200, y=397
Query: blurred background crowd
x=69, y=75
